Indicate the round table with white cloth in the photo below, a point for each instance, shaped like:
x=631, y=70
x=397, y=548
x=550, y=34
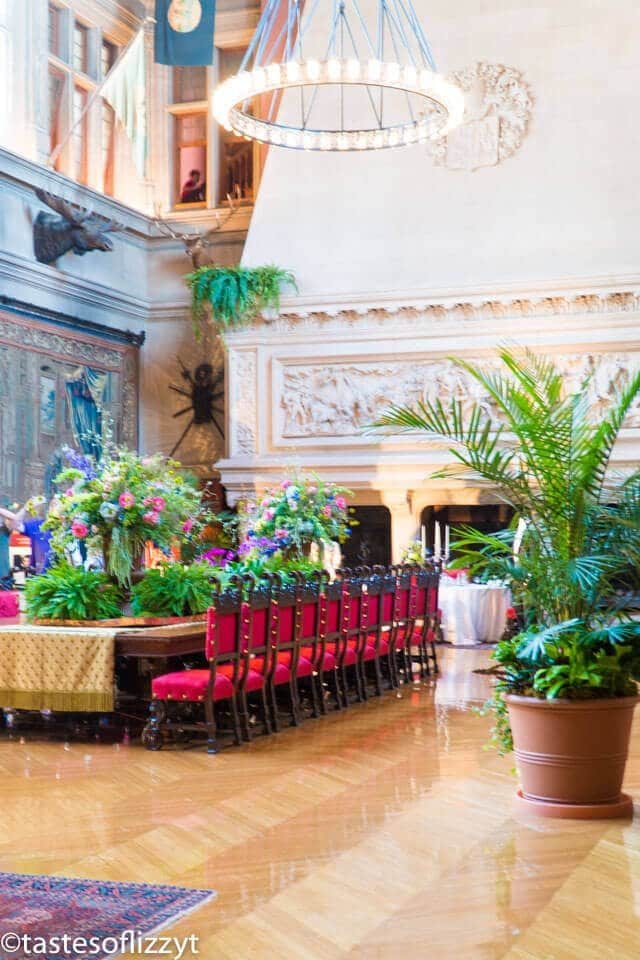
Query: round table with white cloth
x=473, y=612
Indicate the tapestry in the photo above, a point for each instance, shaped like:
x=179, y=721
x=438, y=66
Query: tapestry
x=56, y=383
x=56, y=668
x=113, y=918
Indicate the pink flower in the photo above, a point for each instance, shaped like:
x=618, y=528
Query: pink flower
x=187, y=526
x=313, y=489
x=126, y=499
x=68, y=492
x=79, y=529
x=266, y=502
x=268, y=515
x=341, y=503
x=281, y=534
x=326, y=510
x=151, y=517
x=285, y=484
x=147, y=501
x=159, y=503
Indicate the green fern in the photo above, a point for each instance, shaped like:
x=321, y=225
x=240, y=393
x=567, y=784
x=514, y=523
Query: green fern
x=72, y=593
x=174, y=590
x=235, y=295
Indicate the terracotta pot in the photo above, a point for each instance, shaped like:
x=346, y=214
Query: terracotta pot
x=571, y=755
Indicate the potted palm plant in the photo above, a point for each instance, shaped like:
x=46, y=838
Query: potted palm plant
x=566, y=683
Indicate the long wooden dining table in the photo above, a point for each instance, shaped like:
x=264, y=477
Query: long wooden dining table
x=74, y=668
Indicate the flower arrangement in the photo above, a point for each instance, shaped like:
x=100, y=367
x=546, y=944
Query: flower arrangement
x=414, y=552
x=120, y=503
x=293, y=515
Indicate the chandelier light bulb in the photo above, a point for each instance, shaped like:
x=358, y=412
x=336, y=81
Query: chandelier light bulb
x=374, y=69
x=392, y=73
x=313, y=69
x=334, y=69
x=353, y=69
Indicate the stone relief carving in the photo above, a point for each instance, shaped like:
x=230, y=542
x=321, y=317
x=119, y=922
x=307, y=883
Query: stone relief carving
x=244, y=403
x=339, y=400
x=465, y=312
x=497, y=109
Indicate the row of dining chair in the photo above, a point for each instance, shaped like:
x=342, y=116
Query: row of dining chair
x=338, y=641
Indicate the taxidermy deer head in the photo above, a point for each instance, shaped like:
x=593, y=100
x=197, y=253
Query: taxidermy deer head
x=199, y=246
x=75, y=228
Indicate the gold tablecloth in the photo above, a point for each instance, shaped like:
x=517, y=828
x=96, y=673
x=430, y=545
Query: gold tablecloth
x=56, y=668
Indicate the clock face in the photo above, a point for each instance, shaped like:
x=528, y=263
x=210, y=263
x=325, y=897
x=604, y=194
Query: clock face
x=184, y=15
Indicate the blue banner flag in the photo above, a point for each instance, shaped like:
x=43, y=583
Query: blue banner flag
x=184, y=32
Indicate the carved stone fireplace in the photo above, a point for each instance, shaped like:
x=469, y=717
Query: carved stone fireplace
x=302, y=390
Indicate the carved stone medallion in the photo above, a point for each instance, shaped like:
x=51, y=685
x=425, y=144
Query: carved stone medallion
x=498, y=105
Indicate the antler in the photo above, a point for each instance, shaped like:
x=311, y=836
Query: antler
x=103, y=224
x=70, y=211
x=76, y=214
x=165, y=228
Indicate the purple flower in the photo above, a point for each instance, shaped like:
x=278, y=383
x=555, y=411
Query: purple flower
x=79, y=462
x=216, y=556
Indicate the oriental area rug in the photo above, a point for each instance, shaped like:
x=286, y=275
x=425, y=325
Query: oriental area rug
x=59, y=917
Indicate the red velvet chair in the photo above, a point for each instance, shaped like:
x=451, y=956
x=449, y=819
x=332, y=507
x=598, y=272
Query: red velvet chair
x=312, y=640
x=225, y=649
x=287, y=666
x=259, y=617
x=355, y=616
x=380, y=623
x=333, y=612
x=402, y=621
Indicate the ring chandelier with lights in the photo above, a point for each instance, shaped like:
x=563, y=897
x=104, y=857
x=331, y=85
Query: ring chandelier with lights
x=365, y=83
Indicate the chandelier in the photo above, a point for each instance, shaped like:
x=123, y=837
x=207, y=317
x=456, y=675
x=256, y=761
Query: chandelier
x=338, y=75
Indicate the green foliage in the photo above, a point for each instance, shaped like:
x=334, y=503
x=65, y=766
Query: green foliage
x=72, y=593
x=174, y=590
x=545, y=455
x=261, y=567
x=236, y=294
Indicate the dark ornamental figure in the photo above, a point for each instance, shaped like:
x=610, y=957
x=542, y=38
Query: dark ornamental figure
x=206, y=394
x=74, y=228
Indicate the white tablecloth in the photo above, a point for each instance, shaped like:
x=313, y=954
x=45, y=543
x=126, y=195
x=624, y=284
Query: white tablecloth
x=473, y=612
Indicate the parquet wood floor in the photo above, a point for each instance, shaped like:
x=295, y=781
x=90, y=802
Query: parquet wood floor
x=383, y=833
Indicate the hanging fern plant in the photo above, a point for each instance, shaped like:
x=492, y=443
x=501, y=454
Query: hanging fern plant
x=236, y=295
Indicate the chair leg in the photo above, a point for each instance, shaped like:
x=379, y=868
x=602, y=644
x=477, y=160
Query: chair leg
x=316, y=684
x=152, y=735
x=210, y=721
x=434, y=656
x=345, y=685
x=237, y=731
x=361, y=677
x=407, y=663
x=244, y=715
x=424, y=656
x=320, y=686
x=393, y=668
x=275, y=718
x=334, y=685
x=266, y=711
x=378, y=676
x=295, y=706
